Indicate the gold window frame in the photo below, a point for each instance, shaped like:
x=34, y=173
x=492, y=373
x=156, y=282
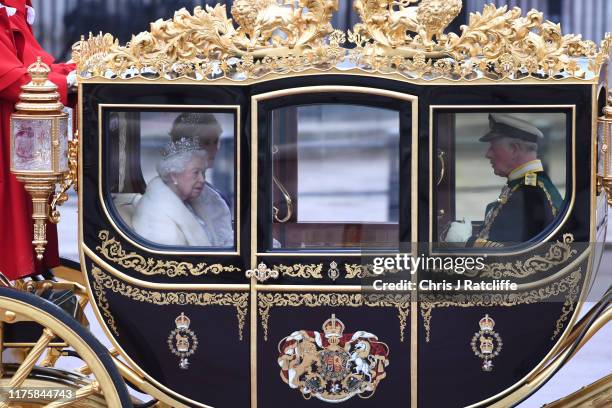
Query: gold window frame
x=572, y=198
x=173, y=251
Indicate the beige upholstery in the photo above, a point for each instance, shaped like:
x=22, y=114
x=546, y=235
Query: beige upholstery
x=125, y=204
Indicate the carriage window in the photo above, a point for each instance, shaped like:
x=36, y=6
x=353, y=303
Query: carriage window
x=171, y=175
x=335, y=177
x=499, y=178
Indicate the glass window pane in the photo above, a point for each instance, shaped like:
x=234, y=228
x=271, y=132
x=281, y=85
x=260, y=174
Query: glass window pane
x=499, y=178
x=338, y=166
x=171, y=175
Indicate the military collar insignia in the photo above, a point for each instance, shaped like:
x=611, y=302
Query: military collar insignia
x=523, y=170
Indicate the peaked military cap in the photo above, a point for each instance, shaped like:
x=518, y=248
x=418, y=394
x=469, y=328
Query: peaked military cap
x=505, y=125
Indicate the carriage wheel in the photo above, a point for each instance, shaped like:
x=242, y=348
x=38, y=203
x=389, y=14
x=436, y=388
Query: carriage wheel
x=106, y=388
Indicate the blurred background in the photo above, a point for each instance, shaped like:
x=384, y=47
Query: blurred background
x=60, y=23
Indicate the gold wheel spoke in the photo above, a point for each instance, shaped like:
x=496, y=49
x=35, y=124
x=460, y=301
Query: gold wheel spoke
x=81, y=393
x=26, y=367
x=28, y=364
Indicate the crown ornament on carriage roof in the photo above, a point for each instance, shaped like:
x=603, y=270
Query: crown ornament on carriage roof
x=401, y=37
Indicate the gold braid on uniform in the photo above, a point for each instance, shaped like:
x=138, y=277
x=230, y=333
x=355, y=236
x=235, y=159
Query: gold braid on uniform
x=482, y=241
x=549, y=198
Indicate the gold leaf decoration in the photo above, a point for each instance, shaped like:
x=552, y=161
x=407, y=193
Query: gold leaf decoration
x=102, y=301
x=568, y=285
x=300, y=271
x=112, y=250
x=557, y=254
x=506, y=38
x=103, y=281
x=266, y=301
x=393, y=37
x=568, y=306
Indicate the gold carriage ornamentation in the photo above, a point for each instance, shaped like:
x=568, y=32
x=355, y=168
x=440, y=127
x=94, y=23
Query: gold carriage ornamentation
x=283, y=98
x=182, y=341
x=333, y=366
x=486, y=343
x=393, y=37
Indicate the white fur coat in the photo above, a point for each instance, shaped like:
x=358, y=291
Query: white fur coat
x=163, y=218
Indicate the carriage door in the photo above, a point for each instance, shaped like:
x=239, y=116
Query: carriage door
x=332, y=169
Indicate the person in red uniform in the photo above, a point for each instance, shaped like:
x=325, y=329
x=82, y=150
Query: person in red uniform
x=18, y=50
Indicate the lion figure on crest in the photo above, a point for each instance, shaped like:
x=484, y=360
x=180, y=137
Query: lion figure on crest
x=397, y=17
x=428, y=19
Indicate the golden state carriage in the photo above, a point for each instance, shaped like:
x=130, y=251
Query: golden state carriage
x=241, y=266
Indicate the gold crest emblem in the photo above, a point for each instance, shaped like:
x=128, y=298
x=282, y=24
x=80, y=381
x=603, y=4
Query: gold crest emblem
x=486, y=343
x=333, y=366
x=182, y=341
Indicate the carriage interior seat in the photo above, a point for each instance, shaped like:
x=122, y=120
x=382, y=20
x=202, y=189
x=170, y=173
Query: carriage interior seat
x=125, y=204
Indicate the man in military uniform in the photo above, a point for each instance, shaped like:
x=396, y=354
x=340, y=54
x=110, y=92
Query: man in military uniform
x=529, y=201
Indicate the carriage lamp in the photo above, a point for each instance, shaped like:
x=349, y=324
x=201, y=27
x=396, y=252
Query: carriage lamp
x=39, y=148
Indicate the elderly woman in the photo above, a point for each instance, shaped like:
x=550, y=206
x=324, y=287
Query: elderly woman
x=179, y=208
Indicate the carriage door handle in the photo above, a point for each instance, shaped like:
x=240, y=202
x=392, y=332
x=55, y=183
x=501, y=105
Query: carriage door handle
x=286, y=196
x=441, y=158
x=288, y=202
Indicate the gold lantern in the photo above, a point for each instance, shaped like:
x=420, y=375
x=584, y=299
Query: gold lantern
x=39, y=149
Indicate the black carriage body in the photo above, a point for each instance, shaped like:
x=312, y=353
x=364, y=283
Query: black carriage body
x=140, y=288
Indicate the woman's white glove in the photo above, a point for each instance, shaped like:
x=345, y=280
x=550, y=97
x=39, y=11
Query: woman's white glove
x=71, y=79
x=459, y=231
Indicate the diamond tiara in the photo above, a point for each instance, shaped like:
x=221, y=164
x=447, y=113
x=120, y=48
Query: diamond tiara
x=181, y=146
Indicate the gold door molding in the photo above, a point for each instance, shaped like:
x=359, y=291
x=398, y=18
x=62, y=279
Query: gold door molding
x=569, y=285
x=103, y=281
x=266, y=301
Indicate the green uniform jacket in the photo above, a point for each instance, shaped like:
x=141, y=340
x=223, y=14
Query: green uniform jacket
x=524, y=209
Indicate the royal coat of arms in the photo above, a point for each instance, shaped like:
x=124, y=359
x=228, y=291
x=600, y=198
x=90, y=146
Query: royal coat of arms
x=333, y=366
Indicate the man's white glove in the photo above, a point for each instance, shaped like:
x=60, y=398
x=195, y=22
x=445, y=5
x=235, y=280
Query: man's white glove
x=459, y=231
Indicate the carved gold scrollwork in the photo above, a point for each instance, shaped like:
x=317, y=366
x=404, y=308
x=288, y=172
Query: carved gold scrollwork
x=103, y=282
x=300, y=271
x=112, y=250
x=70, y=179
x=568, y=285
x=266, y=301
x=394, y=36
x=388, y=22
